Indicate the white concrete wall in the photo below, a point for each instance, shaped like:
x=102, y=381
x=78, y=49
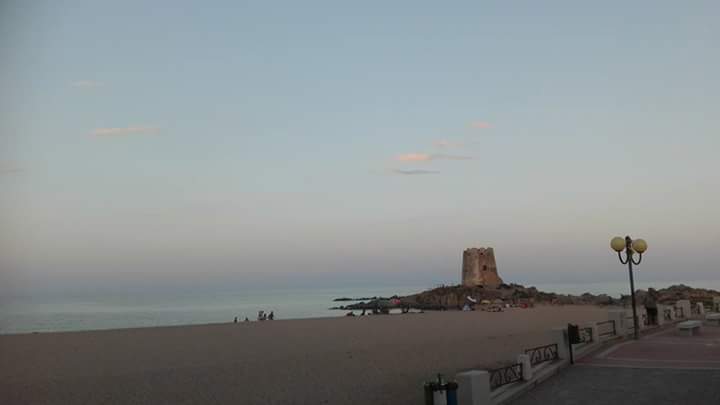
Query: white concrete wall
x=686, y=307
x=661, y=314
x=618, y=315
x=474, y=388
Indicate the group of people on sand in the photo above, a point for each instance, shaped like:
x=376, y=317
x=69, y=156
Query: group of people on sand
x=262, y=316
x=381, y=311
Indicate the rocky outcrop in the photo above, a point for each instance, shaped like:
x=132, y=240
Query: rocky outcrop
x=454, y=297
x=479, y=268
x=451, y=297
x=672, y=294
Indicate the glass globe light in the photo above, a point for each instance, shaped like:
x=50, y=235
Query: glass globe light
x=617, y=244
x=639, y=245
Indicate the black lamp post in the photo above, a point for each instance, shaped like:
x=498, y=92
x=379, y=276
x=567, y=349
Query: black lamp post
x=630, y=247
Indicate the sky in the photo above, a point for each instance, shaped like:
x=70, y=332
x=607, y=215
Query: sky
x=334, y=143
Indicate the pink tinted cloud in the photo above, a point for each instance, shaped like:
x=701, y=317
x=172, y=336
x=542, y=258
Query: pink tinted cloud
x=480, y=124
x=414, y=172
x=414, y=157
x=424, y=157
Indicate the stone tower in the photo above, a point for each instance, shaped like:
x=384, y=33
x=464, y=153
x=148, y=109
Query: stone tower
x=479, y=268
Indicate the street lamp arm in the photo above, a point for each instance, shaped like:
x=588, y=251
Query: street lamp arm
x=627, y=257
x=639, y=259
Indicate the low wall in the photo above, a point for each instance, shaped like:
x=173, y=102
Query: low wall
x=534, y=365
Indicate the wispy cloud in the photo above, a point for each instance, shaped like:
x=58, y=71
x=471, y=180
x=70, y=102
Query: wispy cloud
x=10, y=170
x=480, y=125
x=132, y=130
x=425, y=157
x=441, y=156
x=413, y=157
x=444, y=143
x=414, y=172
x=87, y=83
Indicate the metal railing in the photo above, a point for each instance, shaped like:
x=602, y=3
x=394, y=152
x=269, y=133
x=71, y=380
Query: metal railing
x=607, y=328
x=542, y=354
x=505, y=375
x=586, y=335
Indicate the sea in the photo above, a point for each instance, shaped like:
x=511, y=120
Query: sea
x=93, y=310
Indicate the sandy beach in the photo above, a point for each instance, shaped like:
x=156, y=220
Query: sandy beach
x=374, y=359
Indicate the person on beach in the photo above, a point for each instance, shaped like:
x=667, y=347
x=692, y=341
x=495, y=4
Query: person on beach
x=261, y=315
x=271, y=316
x=235, y=321
x=246, y=319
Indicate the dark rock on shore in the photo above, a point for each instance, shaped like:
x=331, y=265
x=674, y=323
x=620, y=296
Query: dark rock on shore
x=354, y=299
x=454, y=297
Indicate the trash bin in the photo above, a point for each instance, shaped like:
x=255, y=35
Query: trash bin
x=430, y=388
x=451, y=390
x=436, y=392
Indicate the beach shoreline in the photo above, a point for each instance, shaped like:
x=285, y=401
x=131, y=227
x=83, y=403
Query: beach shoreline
x=372, y=359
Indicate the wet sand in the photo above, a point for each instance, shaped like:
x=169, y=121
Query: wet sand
x=372, y=359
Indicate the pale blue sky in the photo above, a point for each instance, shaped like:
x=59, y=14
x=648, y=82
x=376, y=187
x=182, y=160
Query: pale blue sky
x=285, y=142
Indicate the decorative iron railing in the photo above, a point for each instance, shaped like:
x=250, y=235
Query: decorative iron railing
x=586, y=335
x=607, y=328
x=505, y=375
x=542, y=354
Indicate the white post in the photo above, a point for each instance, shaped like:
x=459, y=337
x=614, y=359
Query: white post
x=701, y=308
x=628, y=322
x=618, y=315
x=527, y=371
x=559, y=337
x=595, y=333
x=642, y=316
x=660, y=314
x=474, y=388
x=686, y=307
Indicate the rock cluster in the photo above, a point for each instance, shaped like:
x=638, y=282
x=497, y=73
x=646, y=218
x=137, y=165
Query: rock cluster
x=454, y=297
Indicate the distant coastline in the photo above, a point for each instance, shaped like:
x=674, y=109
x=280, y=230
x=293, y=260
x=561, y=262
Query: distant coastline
x=506, y=295
x=120, y=310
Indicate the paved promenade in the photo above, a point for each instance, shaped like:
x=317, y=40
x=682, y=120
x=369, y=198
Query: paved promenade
x=662, y=368
x=588, y=385
x=665, y=349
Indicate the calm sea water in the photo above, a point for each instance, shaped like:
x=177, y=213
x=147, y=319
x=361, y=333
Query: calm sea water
x=85, y=311
x=90, y=310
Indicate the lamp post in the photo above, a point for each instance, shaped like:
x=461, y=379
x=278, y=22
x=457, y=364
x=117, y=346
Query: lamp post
x=630, y=247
